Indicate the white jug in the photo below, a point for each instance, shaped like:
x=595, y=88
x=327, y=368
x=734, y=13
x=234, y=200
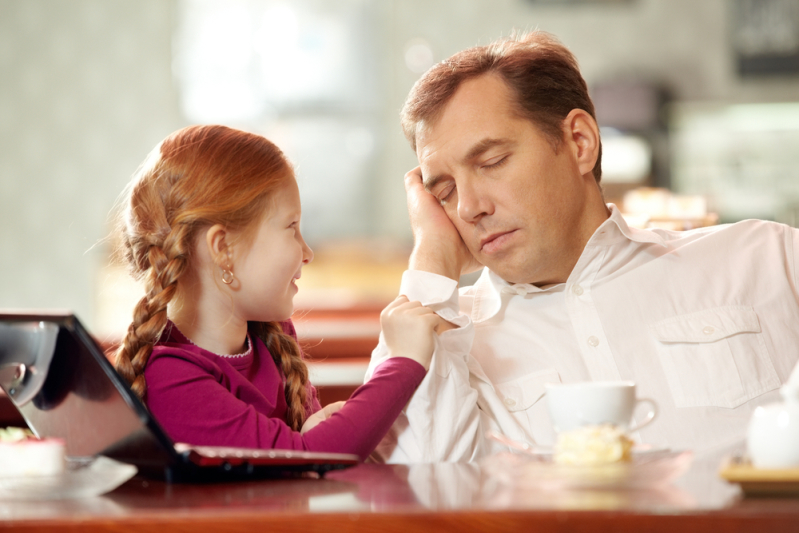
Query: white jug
x=773, y=433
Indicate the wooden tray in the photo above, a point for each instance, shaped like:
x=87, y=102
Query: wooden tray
x=759, y=481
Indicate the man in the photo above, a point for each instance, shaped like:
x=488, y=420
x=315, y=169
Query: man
x=704, y=322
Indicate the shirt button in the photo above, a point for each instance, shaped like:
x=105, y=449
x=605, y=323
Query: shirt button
x=510, y=402
x=708, y=330
x=576, y=289
x=593, y=341
x=521, y=291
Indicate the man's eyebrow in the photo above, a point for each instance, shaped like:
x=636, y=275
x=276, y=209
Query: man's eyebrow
x=483, y=146
x=430, y=183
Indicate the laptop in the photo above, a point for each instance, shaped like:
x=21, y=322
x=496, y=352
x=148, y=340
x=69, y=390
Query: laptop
x=63, y=385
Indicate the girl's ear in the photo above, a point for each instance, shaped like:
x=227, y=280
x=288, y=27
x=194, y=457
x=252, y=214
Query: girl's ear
x=217, y=239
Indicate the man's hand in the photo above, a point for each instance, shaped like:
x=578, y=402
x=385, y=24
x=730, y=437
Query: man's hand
x=438, y=247
x=321, y=415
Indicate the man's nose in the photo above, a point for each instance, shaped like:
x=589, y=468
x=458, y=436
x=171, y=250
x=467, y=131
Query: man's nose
x=473, y=202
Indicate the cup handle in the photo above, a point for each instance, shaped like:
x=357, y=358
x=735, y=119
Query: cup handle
x=650, y=416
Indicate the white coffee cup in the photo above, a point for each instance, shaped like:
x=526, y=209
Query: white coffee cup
x=573, y=405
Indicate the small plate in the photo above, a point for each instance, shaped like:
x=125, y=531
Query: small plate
x=760, y=481
x=78, y=481
x=637, y=450
x=538, y=450
x=646, y=469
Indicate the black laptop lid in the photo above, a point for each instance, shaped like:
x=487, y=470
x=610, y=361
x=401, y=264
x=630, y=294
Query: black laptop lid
x=64, y=387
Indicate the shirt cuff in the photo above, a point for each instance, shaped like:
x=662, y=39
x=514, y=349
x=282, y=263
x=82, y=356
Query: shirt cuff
x=437, y=292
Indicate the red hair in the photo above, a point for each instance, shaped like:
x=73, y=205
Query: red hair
x=197, y=177
x=538, y=69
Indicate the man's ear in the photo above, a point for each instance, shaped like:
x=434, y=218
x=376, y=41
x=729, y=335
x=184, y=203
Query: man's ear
x=217, y=238
x=582, y=137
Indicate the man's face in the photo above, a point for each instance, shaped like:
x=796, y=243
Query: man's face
x=518, y=203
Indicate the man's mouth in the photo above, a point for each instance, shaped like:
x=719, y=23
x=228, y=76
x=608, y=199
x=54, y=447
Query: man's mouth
x=495, y=241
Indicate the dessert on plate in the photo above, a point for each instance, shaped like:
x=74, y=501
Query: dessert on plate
x=593, y=445
x=23, y=455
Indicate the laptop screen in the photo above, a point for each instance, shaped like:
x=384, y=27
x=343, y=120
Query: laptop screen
x=64, y=387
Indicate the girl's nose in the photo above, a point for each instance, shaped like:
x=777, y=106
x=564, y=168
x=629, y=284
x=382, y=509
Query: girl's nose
x=307, y=253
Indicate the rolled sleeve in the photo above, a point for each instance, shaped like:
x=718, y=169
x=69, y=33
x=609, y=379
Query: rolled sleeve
x=439, y=293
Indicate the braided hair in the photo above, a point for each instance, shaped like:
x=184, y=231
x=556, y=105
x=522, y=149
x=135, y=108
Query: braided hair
x=197, y=177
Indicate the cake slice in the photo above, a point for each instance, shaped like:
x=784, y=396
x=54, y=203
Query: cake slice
x=592, y=446
x=22, y=454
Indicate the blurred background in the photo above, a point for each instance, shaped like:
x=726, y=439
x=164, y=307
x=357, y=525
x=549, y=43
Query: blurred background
x=698, y=103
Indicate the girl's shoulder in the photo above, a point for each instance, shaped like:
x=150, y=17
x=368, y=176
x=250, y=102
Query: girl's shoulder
x=174, y=351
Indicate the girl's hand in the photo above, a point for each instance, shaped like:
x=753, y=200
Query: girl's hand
x=320, y=416
x=408, y=329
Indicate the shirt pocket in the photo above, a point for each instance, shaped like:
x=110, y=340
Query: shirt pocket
x=715, y=357
x=521, y=394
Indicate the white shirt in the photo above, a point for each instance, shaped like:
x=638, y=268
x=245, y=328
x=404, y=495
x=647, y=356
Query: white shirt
x=705, y=322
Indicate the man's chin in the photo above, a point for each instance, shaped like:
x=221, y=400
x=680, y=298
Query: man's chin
x=511, y=275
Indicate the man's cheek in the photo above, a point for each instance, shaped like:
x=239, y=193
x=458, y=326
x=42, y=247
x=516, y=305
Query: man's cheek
x=467, y=233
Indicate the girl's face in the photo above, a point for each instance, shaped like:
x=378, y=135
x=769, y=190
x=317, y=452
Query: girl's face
x=267, y=271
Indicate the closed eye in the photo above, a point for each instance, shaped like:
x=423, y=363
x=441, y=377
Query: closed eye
x=501, y=161
x=445, y=194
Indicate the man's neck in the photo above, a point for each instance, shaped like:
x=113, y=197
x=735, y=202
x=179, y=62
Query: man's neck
x=565, y=264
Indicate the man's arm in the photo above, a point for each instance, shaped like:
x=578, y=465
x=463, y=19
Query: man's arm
x=441, y=422
x=455, y=405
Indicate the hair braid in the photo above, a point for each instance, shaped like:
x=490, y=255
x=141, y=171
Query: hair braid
x=150, y=313
x=288, y=358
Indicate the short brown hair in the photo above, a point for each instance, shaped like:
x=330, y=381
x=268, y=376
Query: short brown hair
x=541, y=72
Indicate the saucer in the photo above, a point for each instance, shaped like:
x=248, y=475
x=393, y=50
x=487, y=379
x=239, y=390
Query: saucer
x=648, y=468
x=637, y=450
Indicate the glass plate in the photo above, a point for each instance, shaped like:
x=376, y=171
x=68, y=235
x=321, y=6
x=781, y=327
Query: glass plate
x=647, y=469
x=78, y=481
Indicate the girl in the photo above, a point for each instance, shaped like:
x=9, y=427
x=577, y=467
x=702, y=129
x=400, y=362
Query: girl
x=211, y=224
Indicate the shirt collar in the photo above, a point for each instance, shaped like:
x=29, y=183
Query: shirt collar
x=489, y=288
x=615, y=229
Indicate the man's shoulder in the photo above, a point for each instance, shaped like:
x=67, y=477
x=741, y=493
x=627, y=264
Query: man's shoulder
x=763, y=229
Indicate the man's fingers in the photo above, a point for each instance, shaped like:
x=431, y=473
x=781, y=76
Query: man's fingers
x=413, y=178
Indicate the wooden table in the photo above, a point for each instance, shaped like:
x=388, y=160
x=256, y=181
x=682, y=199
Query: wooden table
x=443, y=497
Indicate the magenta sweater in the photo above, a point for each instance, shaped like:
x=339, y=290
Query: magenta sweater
x=203, y=399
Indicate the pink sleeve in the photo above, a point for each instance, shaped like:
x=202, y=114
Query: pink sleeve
x=371, y=410
x=188, y=398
